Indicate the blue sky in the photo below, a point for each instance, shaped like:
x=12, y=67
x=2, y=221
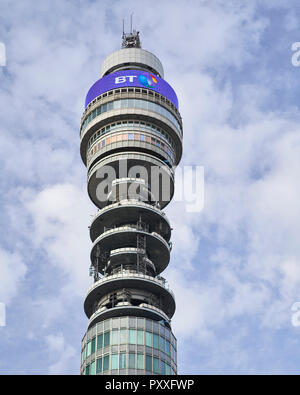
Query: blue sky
x=235, y=266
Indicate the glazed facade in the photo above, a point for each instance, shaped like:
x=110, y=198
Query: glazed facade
x=129, y=345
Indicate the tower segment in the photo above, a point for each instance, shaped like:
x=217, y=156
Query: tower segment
x=130, y=142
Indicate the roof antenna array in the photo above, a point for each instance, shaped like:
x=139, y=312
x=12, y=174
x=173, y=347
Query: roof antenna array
x=132, y=39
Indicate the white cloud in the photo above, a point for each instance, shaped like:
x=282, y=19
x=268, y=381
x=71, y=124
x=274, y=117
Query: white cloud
x=61, y=220
x=13, y=271
x=61, y=352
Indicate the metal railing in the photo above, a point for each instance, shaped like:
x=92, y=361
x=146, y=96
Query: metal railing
x=142, y=305
x=132, y=274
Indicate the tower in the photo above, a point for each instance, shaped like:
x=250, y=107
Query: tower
x=130, y=142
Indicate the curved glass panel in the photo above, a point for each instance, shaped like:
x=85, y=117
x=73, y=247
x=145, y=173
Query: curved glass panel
x=132, y=103
x=152, y=347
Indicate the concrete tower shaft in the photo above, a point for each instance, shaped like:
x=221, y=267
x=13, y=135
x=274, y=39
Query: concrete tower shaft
x=131, y=140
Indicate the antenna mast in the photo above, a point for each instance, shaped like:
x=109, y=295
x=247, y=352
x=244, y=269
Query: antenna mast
x=132, y=39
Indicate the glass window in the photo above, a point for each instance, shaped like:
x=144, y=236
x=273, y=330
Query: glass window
x=93, y=345
x=99, y=365
x=115, y=337
x=114, y=361
x=168, y=347
x=123, y=337
x=106, y=325
x=151, y=106
x=106, y=339
x=167, y=334
x=140, y=336
x=88, y=348
x=149, y=363
x=138, y=103
x=99, y=341
x=131, y=362
x=140, y=361
x=106, y=363
x=117, y=104
x=122, y=361
x=155, y=365
x=92, y=372
x=130, y=136
x=162, y=344
x=141, y=322
x=87, y=370
x=132, y=336
x=124, y=103
x=132, y=322
x=168, y=369
x=149, y=339
x=155, y=341
x=142, y=137
x=162, y=367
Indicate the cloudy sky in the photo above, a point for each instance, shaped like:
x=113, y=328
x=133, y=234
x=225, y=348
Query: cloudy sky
x=235, y=266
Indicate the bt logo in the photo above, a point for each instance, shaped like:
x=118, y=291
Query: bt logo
x=123, y=78
x=148, y=80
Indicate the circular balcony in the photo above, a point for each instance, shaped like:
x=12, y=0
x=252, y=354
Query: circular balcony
x=127, y=211
x=157, y=249
x=127, y=258
x=126, y=279
x=124, y=309
x=155, y=172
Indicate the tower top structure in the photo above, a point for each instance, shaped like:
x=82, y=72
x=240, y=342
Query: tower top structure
x=132, y=39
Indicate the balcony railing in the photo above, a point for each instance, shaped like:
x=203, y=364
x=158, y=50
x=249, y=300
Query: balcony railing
x=125, y=274
x=133, y=202
x=131, y=228
x=126, y=304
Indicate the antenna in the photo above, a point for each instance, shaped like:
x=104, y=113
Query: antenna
x=131, y=22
